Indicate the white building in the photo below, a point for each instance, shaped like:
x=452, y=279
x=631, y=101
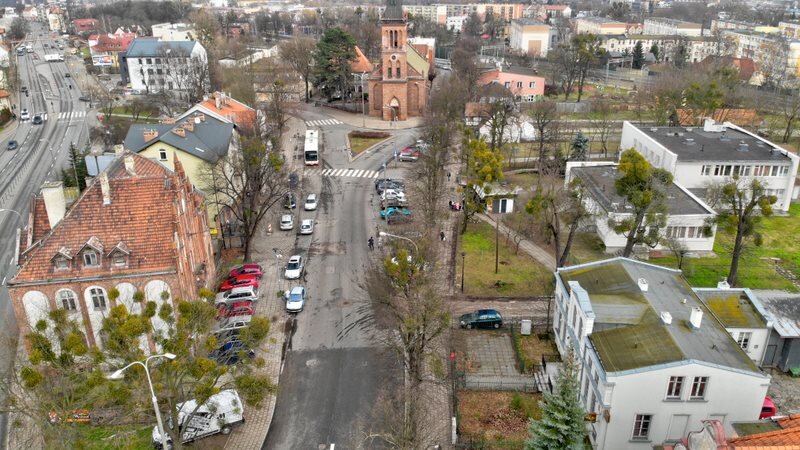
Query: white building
x=532, y=37
x=662, y=26
x=456, y=23
x=174, y=32
x=687, y=220
x=701, y=156
x=697, y=48
x=654, y=361
x=763, y=48
x=55, y=20
x=600, y=26
x=153, y=65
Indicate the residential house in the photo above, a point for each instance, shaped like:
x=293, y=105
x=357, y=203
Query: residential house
x=56, y=19
x=248, y=56
x=84, y=26
x=524, y=84
x=662, y=26
x=174, y=32
x=699, y=157
x=153, y=65
x=139, y=227
x=238, y=30
x=745, y=66
x=432, y=13
x=224, y=108
x=742, y=315
x=30, y=12
x=730, y=24
x=5, y=99
x=532, y=37
x=697, y=48
x=789, y=29
x=554, y=11
x=499, y=198
x=771, y=51
x=778, y=433
x=783, y=348
x=602, y=26
x=654, y=360
x=456, y=23
x=197, y=140
x=106, y=48
x=687, y=216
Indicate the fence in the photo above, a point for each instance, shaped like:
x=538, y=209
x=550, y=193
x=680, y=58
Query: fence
x=572, y=108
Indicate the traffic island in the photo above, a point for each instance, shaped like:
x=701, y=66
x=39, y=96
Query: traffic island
x=362, y=141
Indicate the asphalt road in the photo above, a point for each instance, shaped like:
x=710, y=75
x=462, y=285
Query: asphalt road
x=41, y=155
x=336, y=367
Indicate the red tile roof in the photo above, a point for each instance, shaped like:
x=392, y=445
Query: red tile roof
x=361, y=64
x=142, y=215
x=113, y=42
x=788, y=438
x=235, y=111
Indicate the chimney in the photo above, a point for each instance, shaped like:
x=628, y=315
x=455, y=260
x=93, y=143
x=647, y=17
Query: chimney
x=179, y=131
x=167, y=121
x=149, y=134
x=666, y=317
x=202, y=117
x=105, y=187
x=642, y=284
x=188, y=125
x=54, y=201
x=696, y=317
x=218, y=101
x=118, y=149
x=130, y=166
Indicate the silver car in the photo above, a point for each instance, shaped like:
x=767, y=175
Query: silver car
x=294, y=268
x=287, y=222
x=306, y=226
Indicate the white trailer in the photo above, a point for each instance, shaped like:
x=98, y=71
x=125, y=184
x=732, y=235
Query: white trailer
x=53, y=57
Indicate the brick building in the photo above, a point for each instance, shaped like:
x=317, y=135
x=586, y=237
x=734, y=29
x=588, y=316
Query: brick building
x=138, y=228
x=397, y=90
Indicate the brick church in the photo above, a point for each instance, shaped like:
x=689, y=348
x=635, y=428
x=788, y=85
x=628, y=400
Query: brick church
x=397, y=90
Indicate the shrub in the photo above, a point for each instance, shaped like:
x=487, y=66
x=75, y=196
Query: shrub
x=369, y=134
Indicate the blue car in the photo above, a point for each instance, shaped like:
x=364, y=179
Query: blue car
x=394, y=210
x=231, y=352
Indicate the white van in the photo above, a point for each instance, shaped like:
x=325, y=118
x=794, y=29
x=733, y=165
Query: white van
x=217, y=415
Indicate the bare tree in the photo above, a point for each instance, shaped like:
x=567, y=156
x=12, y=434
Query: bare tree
x=429, y=185
x=603, y=123
x=543, y=114
x=790, y=112
x=558, y=208
x=772, y=60
x=299, y=54
x=678, y=249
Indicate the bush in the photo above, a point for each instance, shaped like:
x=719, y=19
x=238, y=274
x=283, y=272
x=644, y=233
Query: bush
x=369, y=134
x=5, y=116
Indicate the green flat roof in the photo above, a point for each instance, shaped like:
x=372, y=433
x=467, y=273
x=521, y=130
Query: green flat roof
x=733, y=309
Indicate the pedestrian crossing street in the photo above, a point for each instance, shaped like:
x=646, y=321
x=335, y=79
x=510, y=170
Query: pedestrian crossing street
x=348, y=173
x=322, y=123
x=67, y=115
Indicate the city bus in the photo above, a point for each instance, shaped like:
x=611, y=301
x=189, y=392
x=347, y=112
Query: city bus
x=311, y=148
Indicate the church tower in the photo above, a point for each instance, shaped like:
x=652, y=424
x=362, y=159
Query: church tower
x=394, y=61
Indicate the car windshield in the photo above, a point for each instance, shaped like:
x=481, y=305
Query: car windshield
x=293, y=265
x=295, y=297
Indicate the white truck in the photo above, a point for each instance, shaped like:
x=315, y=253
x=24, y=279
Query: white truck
x=217, y=415
x=53, y=57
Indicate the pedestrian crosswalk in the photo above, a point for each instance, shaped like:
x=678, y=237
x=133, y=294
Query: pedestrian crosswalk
x=350, y=173
x=322, y=123
x=67, y=115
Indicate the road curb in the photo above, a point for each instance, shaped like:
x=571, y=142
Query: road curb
x=366, y=151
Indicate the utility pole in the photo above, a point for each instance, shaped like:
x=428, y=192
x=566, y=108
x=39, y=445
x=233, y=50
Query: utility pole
x=496, y=242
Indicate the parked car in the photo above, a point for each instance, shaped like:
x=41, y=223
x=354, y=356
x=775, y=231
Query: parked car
x=294, y=268
x=383, y=183
x=236, y=294
x=768, y=409
x=247, y=279
x=247, y=269
x=242, y=308
x=385, y=212
x=37, y=120
x=311, y=202
x=219, y=414
x=397, y=218
x=408, y=154
x=306, y=226
x=287, y=222
x=24, y=115
x=232, y=352
x=12, y=145
x=234, y=323
x=482, y=318
x=289, y=201
x=296, y=299
x=394, y=194
x=67, y=75
x=84, y=98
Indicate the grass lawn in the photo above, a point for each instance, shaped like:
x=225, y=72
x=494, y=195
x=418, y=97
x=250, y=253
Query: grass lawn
x=498, y=419
x=532, y=348
x=518, y=275
x=359, y=144
x=119, y=437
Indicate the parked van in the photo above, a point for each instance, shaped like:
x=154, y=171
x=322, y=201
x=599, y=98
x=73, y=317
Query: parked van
x=217, y=415
x=236, y=294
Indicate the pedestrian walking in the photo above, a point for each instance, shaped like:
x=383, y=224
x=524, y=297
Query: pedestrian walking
x=371, y=243
x=441, y=234
x=448, y=177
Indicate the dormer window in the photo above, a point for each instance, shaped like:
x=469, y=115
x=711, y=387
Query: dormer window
x=162, y=155
x=119, y=255
x=90, y=258
x=120, y=260
x=61, y=263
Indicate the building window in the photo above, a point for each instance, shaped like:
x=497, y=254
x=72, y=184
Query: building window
x=67, y=300
x=532, y=85
x=158, y=60
x=389, y=73
x=507, y=84
x=120, y=260
x=641, y=427
x=519, y=84
x=90, y=258
x=61, y=263
x=162, y=154
x=149, y=60
x=743, y=339
x=674, y=388
x=397, y=72
x=699, y=388
x=98, y=296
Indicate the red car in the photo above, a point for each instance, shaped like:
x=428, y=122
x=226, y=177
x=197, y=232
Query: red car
x=247, y=279
x=408, y=154
x=247, y=269
x=243, y=308
x=768, y=409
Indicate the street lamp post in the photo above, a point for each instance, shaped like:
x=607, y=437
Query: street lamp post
x=463, y=257
x=118, y=376
x=13, y=211
x=385, y=234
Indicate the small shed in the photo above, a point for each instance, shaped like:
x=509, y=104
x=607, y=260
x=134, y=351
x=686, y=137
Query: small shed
x=499, y=198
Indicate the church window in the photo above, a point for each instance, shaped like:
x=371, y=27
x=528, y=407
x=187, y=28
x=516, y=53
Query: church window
x=389, y=72
x=398, y=72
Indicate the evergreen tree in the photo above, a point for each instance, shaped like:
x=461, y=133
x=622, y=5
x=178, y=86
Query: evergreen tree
x=579, y=150
x=76, y=166
x=561, y=426
x=655, y=50
x=332, y=60
x=638, y=56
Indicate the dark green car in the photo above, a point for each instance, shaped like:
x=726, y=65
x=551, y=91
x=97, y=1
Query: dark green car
x=482, y=318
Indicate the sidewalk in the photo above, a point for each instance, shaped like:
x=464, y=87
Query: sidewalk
x=538, y=253
x=373, y=123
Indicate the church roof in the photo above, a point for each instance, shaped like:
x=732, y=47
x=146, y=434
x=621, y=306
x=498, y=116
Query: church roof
x=361, y=64
x=393, y=11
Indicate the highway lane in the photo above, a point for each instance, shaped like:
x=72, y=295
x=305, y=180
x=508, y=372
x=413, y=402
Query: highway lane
x=41, y=155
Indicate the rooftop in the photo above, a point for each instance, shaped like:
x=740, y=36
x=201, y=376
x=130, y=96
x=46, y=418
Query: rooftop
x=696, y=144
x=784, y=309
x=231, y=109
x=676, y=22
x=778, y=434
x=733, y=307
x=153, y=47
x=599, y=181
x=530, y=21
x=208, y=140
x=628, y=332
